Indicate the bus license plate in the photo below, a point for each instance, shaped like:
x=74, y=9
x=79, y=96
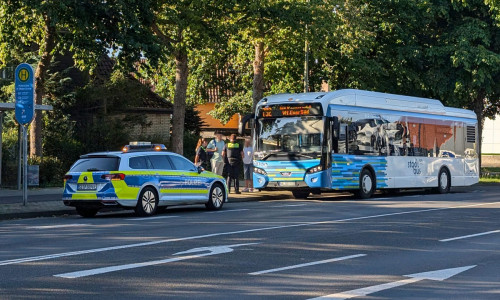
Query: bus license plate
x=87, y=187
x=286, y=183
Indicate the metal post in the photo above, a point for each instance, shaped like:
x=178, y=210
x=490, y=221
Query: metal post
x=19, y=156
x=1, y=130
x=25, y=164
x=306, y=68
x=306, y=62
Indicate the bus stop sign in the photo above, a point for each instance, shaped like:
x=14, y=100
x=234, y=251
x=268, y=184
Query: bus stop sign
x=25, y=93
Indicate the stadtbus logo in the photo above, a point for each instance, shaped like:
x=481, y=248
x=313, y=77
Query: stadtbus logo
x=415, y=166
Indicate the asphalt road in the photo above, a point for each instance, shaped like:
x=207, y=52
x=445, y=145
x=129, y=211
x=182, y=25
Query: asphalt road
x=332, y=245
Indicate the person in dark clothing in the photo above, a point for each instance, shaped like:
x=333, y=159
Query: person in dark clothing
x=201, y=158
x=233, y=155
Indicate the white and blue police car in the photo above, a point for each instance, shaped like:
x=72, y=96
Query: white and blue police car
x=144, y=177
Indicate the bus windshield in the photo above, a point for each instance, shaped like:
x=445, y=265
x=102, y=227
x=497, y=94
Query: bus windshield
x=298, y=135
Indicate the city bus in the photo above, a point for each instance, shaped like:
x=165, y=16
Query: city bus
x=361, y=141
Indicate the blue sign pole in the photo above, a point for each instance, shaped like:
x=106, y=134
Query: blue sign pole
x=24, y=113
x=25, y=93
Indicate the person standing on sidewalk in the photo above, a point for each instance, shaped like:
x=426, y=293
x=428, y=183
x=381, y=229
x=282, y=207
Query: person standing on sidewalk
x=233, y=152
x=216, y=146
x=248, y=165
x=201, y=154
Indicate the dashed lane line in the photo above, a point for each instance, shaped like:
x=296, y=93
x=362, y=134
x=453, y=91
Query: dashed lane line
x=229, y=210
x=57, y=226
x=307, y=264
x=151, y=218
x=290, y=205
x=469, y=236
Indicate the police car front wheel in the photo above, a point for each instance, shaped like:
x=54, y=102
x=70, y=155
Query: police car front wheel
x=216, y=197
x=148, y=202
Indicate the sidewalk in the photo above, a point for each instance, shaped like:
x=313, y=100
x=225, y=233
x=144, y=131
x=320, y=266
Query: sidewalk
x=47, y=202
x=42, y=202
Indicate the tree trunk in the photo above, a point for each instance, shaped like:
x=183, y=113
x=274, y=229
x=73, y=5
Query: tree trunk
x=40, y=74
x=479, y=110
x=258, y=73
x=181, y=83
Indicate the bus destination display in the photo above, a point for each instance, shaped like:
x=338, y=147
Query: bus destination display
x=291, y=110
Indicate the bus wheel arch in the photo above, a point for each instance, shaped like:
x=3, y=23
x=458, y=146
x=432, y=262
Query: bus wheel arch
x=444, y=180
x=367, y=182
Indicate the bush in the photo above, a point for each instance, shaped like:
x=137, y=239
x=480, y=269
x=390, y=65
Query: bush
x=52, y=170
x=9, y=157
x=190, y=141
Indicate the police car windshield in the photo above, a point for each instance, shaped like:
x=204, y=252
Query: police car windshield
x=94, y=164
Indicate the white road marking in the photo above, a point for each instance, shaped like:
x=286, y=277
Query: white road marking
x=308, y=264
x=438, y=275
x=469, y=236
x=229, y=210
x=151, y=218
x=211, y=251
x=196, y=237
x=290, y=205
x=57, y=226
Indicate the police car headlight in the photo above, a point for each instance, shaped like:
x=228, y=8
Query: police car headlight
x=315, y=169
x=259, y=171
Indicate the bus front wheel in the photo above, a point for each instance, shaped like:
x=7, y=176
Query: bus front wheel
x=366, y=185
x=300, y=194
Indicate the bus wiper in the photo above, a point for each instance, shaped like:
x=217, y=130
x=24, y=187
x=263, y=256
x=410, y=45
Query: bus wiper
x=287, y=153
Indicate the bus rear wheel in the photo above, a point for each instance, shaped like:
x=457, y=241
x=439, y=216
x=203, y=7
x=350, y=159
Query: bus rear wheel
x=366, y=185
x=444, y=181
x=300, y=194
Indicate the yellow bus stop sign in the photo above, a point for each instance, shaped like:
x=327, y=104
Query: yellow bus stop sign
x=23, y=74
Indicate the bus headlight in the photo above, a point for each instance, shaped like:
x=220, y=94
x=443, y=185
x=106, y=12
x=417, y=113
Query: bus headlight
x=259, y=171
x=315, y=169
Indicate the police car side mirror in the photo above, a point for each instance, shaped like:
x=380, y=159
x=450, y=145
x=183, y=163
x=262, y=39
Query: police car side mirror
x=200, y=169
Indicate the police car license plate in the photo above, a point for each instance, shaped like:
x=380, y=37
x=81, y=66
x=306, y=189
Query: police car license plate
x=286, y=183
x=87, y=187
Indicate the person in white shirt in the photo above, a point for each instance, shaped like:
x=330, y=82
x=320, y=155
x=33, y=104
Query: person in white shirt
x=216, y=146
x=248, y=165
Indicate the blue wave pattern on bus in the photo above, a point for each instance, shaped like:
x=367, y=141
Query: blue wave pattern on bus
x=346, y=169
x=276, y=169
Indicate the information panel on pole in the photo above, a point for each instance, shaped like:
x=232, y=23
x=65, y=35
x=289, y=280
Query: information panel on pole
x=24, y=113
x=25, y=93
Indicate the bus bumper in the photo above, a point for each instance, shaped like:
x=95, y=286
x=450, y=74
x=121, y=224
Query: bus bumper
x=317, y=180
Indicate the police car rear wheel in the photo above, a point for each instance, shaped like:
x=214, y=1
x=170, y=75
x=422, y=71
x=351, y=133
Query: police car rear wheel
x=216, y=197
x=148, y=202
x=86, y=212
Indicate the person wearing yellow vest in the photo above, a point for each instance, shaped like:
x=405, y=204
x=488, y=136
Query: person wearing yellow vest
x=233, y=156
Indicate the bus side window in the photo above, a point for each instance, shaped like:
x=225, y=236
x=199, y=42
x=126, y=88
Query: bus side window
x=342, y=142
x=335, y=134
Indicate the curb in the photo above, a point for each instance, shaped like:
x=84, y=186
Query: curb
x=36, y=214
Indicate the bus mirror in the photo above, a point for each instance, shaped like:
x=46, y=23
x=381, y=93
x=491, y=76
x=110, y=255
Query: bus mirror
x=243, y=123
